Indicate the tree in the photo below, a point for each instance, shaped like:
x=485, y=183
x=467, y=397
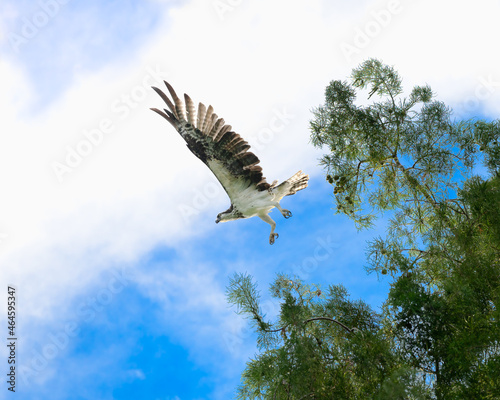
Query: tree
x=439, y=333
x=403, y=155
x=406, y=156
x=453, y=333
x=309, y=354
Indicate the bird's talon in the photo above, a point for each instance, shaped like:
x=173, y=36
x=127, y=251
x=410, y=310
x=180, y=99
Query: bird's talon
x=272, y=237
x=287, y=214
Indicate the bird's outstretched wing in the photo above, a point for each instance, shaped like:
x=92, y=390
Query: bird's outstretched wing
x=222, y=150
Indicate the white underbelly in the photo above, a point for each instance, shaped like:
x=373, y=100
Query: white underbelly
x=246, y=199
x=252, y=202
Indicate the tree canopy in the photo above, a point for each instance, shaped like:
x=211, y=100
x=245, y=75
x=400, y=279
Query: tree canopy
x=309, y=353
x=439, y=331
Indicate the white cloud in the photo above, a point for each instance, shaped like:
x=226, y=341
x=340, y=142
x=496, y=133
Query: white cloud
x=447, y=44
x=136, y=374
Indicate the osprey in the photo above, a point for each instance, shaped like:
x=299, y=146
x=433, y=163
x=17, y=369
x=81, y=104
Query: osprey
x=226, y=154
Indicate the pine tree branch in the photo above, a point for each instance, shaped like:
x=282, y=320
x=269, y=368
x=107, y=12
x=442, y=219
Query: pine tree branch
x=424, y=191
x=350, y=330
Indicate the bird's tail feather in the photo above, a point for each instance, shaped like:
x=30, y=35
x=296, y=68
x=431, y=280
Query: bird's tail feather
x=297, y=182
x=292, y=185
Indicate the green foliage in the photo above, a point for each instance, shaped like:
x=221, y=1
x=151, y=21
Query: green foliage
x=397, y=152
x=487, y=136
x=439, y=334
x=442, y=246
x=451, y=329
x=309, y=353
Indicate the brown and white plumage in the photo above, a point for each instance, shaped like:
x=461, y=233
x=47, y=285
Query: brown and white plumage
x=227, y=155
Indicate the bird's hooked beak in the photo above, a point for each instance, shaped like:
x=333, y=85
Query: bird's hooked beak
x=217, y=220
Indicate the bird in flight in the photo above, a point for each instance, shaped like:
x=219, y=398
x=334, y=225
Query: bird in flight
x=226, y=154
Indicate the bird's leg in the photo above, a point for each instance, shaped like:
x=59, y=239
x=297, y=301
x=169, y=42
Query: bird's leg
x=286, y=213
x=269, y=220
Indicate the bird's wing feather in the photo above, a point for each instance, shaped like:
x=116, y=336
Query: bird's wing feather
x=213, y=142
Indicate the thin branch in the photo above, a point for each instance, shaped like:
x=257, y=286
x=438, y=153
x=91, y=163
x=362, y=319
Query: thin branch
x=276, y=330
x=350, y=330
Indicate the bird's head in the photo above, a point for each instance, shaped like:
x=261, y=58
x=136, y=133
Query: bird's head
x=228, y=215
x=223, y=217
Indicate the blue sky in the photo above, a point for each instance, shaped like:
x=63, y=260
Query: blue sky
x=119, y=266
